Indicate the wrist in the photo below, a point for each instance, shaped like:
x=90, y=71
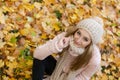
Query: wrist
x=57, y=46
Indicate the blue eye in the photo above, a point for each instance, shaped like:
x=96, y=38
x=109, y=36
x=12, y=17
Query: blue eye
x=85, y=39
x=78, y=33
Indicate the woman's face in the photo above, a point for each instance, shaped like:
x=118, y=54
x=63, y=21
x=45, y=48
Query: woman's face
x=82, y=38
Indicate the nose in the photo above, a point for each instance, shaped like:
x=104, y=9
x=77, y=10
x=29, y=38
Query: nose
x=79, y=40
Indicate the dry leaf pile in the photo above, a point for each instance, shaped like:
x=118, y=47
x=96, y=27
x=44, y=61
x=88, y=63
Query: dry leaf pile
x=25, y=24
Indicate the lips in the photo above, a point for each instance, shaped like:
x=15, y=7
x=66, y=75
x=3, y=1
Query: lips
x=76, y=44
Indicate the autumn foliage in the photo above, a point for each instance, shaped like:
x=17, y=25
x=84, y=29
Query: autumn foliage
x=25, y=24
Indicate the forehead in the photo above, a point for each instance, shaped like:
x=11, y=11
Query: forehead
x=84, y=33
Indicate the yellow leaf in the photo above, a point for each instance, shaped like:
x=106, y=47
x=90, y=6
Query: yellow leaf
x=48, y=2
x=2, y=44
x=10, y=58
x=80, y=1
x=12, y=64
x=29, y=19
x=112, y=57
x=107, y=71
x=29, y=62
x=113, y=67
x=2, y=17
x=4, y=77
x=44, y=36
x=28, y=74
x=9, y=72
x=93, y=2
x=104, y=77
x=114, y=41
x=104, y=57
x=118, y=33
x=12, y=78
x=1, y=63
x=26, y=1
x=29, y=7
x=8, y=28
x=95, y=11
x=24, y=32
x=37, y=5
x=117, y=61
x=6, y=9
x=80, y=12
x=27, y=25
x=22, y=11
x=56, y=27
x=73, y=18
x=117, y=49
x=110, y=60
x=118, y=74
x=14, y=0
x=51, y=36
x=16, y=34
x=38, y=15
x=10, y=44
x=111, y=77
x=9, y=9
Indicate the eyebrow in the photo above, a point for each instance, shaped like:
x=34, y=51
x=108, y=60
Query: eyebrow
x=87, y=37
x=84, y=36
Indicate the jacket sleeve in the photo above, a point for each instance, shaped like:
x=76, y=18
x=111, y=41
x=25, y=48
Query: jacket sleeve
x=42, y=51
x=87, y=73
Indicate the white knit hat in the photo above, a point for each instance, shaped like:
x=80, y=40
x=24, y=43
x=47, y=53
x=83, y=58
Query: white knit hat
x=94, y=26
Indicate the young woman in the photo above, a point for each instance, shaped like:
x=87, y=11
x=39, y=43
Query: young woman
x=80, y=55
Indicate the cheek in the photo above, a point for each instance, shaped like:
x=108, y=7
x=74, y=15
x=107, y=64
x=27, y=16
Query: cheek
x=75, y=36
x=85, y=44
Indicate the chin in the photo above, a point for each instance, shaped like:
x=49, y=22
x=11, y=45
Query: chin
x=78, y=46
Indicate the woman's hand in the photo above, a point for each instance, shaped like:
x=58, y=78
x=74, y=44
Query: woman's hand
x=63, y=42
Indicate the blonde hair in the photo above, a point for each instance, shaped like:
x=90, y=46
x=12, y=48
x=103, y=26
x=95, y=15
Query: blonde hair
x=81, y=60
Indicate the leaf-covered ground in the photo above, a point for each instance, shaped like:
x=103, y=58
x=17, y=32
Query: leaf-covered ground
x=25, y=24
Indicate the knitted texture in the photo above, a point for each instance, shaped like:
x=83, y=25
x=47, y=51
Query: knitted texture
x=94, y=26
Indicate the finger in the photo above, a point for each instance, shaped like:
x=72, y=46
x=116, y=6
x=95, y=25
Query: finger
x=64, y=41
x=67, y=39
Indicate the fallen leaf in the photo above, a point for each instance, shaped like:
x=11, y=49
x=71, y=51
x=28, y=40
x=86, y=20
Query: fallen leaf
x=104, y=77
x=56, y=27
x=1, y=63
x=48, y=2
x=28, y=6
x=2, y=17
x=10, y=58
x=44, y=36
x=2, y=44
